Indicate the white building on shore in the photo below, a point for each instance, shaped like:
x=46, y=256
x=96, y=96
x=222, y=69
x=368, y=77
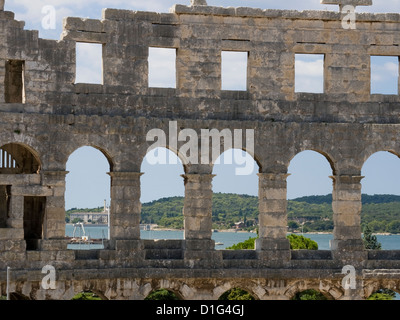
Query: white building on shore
x=92, y=217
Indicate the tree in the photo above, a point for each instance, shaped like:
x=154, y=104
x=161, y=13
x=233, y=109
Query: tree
x=162, y=294
x=309, y=294
x=296, y=242
x=86, y=295
x=371, y=243
x=236, y=294
x=383, y=294
x=370, y=240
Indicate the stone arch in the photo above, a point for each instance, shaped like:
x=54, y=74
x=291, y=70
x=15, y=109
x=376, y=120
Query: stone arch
x=18, y=158
x=371, y=287
x=171, y=294
x=162, y=156
x=241, y=291
x=386, y=155
x=99, y=153
x=235, y=172
x=325, y=154
x=18, y=296
x=105, y=153
x=235, y=151
x=175, y=287
x=250, y=287
x=73, y=288
x=329, y=290
x=162, y=179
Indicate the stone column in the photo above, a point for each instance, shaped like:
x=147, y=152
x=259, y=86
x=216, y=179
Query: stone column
x=272, y=244
x=54, y=215
x=347, y=242
x=197, y=213
x=54, y=220
x=16, y=216
x=125, y=208
x=2, y=5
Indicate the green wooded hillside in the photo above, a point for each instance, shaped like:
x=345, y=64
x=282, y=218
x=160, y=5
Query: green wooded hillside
x=308, y=214
x=312, y=213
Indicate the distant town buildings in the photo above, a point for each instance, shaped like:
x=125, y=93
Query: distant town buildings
x=92, y=217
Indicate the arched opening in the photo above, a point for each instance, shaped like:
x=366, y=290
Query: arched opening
x=309, y=294
x=87, y=198
x=381, y=197
x=15, y=296
x=163, y=294
x=235, y=198
x=16, y=158
x=309, y=191
x=162, y=195
x=384, y=294
x=236, y=294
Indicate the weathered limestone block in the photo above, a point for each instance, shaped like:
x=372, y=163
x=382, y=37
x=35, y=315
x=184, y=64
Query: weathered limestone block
x=272, y=245
x=125, y=206
x=348, y=2
x=347, y=243
x=198, y=2
x=198, y=220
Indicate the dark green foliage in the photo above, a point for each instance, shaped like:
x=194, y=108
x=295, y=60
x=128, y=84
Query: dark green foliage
x=309, y=294
x=236, y=294
x=162, y=294
x=298, y=242
x=248, y=244
x=380, y=212
x=383, y=294
x=370, y=240
x=86, y=295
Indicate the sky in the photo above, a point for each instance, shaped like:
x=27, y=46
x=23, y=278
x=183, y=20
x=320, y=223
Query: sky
x=88, y=185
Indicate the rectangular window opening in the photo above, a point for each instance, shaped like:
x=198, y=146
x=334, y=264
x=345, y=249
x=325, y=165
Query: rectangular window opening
x=385, y=75
x=14, y=82
x=162, y=67
x=89, y=63
x=309, y=73
x=234, y=70
x=34, y=208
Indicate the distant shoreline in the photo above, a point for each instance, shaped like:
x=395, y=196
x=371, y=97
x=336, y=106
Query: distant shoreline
x=228, y=230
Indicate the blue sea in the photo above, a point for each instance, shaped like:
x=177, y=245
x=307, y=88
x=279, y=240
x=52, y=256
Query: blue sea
x=222, y=239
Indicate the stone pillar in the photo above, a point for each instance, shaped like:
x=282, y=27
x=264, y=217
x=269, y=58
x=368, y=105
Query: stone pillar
x=2, y=5
x=125, y=208
x=16, y=216
x=54, y=216
x=347, y=242
x=54, y=220
x=272, y=244
x=197, y=213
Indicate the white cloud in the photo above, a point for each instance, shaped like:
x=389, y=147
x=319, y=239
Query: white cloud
x=162, y=70
x=384, y=74
x=89, y=63
x=234, y=70
x=309, y=73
